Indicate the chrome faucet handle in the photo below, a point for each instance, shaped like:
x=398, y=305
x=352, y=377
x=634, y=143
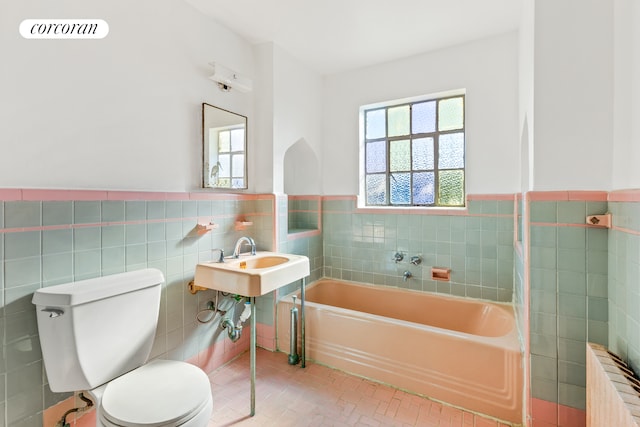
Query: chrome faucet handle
x=399, y=256
x=221, y=257
x=416, y=260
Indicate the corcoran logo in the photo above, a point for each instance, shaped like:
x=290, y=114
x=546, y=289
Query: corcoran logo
x=64, y=29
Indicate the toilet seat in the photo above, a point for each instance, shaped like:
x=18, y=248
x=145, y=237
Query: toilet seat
x=160, y=393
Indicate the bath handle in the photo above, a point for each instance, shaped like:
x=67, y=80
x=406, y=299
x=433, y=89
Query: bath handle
x=399, y=256
x=416, y=260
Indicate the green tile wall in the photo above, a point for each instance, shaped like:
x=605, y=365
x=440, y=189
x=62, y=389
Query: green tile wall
x=43, y=243
x=624, y=282
x=310, y=247
x=303, y=214
x=568, y=296
x=477, y=246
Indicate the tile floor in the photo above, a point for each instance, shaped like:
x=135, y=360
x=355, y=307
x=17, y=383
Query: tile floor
x=319, y=396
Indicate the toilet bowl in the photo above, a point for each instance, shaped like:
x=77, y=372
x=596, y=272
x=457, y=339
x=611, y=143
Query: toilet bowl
x=160, y=393
x=96, y=336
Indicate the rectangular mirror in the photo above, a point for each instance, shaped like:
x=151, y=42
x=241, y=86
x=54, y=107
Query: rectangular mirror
x=224, y=140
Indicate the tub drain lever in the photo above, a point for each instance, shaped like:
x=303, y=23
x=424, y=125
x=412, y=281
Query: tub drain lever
x=293, y=334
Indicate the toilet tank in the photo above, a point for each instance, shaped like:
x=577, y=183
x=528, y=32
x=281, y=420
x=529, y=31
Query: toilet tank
x=95, y=330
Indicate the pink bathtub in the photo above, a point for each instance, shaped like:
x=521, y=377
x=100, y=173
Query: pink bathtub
x=459, y=351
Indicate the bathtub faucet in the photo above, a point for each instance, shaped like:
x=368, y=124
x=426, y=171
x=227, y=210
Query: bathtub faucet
x=244, y=239
x=406, y=275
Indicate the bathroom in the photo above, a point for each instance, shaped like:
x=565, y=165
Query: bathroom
x=101, y=173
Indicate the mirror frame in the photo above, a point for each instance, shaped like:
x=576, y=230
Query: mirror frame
x=205, y=143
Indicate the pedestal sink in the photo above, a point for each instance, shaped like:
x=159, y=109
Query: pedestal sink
x=252, y=275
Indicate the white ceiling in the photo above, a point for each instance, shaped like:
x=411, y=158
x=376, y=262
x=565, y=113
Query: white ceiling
x=336, y=35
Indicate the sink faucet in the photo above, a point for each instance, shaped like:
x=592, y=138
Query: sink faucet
x=244, y=239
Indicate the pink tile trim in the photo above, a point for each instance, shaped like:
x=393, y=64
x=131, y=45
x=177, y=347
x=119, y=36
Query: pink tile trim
x=136, y=195
x=543, y=410
x=339, y=197
x=571, y=417
x=626, y=230
x=54, y=195
x=555, y=224
x=303, y=234
x=11, y=194
x=552, y=414
x=305, y=197
x=588, y=196
x=549, y=196
x=490, y=196
x=632, y=195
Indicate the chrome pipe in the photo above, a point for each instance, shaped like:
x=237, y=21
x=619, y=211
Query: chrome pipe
x=302, y=350
x=293, y=335
x=252, y=362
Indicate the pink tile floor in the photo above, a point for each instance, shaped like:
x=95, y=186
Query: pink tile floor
x=320, y=396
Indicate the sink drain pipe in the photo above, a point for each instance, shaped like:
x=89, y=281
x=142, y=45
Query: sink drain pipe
x=234, y=332
x=293, y=335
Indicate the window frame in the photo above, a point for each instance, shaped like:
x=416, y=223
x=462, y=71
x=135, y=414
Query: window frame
x=436, y=97
x=232, y=153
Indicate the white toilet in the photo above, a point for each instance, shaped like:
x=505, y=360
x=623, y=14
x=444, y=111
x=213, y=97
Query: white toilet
x=96, y=336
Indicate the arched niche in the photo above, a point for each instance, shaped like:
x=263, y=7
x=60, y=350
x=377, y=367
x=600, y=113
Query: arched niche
x=301, y=169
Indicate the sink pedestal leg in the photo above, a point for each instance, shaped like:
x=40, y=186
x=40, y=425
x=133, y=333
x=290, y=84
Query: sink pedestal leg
x=302, y=356
x=252, y=350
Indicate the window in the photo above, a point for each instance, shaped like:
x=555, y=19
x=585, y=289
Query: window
x=414, y=153
x=230, y=170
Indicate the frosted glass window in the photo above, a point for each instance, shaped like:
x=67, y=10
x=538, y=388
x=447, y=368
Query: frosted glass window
x=423, y=117
x=414, y=153
x=450, y=114
x=376, y=189
x=400, y=184
x=399, y=121
x=376, y=154
x=451, y=188
x=422, y=154
x=375, y=123
x=451, y=151
x=400, y=155
x=424, y=188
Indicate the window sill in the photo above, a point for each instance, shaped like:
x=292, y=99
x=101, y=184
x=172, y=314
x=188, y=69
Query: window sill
x=414, y=210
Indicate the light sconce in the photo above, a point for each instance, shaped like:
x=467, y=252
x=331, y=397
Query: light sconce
x=228, y=79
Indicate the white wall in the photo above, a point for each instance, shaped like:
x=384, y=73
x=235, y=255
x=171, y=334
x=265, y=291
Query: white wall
x=118, y=113
x=487, y=69
x=297, y=116
x=260, y=157
x=526, y=94
x=626, y=119
x=573, y=84
x=288, y=109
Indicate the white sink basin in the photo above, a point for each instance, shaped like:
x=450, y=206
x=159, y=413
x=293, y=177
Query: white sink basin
x=252, y=275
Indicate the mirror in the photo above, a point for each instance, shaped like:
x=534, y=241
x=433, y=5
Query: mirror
x=224, y=141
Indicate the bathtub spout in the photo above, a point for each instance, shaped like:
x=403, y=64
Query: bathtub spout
x=406, y=275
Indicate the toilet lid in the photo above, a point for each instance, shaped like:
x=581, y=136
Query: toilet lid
x=160, y=393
